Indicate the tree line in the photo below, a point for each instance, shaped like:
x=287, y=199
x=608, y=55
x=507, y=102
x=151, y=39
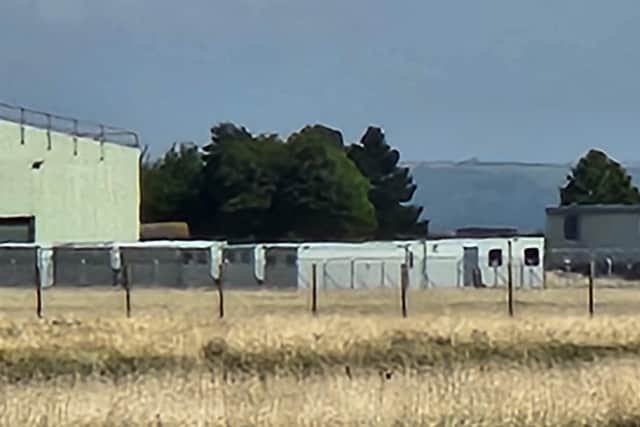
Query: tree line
x=309, y=186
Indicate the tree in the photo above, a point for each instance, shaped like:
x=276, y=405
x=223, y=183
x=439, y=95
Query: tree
x=322, y=193
x=241, y=176
x=391, y=186
x=170, y=184
x=597, y=179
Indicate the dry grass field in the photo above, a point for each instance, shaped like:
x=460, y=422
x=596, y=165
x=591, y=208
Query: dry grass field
x=458, y=359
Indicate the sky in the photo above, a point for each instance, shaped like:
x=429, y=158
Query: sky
x=499, y=80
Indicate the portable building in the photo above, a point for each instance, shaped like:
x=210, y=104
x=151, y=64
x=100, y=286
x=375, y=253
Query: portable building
x=171, y=263
x=82, y=265
x=260, y=266
x=607, y=234
x=484, y=262
x=351, y=265
x=25, y=264
x=176, y=264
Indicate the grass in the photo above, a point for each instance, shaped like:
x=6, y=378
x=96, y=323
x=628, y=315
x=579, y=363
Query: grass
x=457, y=359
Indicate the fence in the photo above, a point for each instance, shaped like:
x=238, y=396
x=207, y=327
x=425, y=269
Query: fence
x=614, y=263
x=211, y=265
x=70, y=126
x=598, y=270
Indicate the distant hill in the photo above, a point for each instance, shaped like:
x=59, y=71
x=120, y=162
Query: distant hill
x=473, y=193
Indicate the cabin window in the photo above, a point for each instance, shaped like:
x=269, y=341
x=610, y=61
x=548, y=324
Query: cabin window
x=272, y=260
x=571, y=227
x=410, y=259
x=495, y=258
x=531, y=257
x=245, y=257
x=230, y=257
x=187, y=257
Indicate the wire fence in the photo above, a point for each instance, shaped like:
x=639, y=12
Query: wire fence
x=609, y=267
x=397, y=284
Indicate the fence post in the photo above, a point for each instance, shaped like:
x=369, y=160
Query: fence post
x=592, y=268
x=314, y=289
x=510, y=280
x=352, y=267
x=127, y=289
x=38, y=280
x=404, y=280
x=220, y=292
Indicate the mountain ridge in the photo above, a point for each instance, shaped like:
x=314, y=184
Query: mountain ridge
x=477, y=193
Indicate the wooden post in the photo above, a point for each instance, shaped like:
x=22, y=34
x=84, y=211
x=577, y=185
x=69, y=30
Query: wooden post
x=220, y=293
x=404, y=281
x=592, y=269
x=127, y=289
x=510, y=281
x=314, y=289
x=352, y=266
x=38, y=280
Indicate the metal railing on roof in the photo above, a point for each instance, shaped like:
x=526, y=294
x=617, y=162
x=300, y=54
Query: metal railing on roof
x=66, y=125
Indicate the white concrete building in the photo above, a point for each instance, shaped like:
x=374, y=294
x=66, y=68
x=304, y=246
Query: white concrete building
x=63, y=180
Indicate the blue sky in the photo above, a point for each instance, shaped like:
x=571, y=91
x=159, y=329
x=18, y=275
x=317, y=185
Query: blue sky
x=541, y=80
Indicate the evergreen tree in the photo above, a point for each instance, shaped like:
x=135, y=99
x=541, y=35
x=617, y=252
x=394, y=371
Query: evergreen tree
x=391, y=187
x=597, y=179
x=240, y=179
x=169, y=185
x=323, y=193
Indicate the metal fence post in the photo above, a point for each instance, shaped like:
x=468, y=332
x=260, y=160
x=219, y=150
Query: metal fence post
x=314, y=289
x=404, y=281
x=127, y=289
x=353, y=273
x=220, y=292
x=592, y=268
x=38, y=280
x=510, y=281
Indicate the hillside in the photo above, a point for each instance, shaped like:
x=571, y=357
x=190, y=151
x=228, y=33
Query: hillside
x=458, y=194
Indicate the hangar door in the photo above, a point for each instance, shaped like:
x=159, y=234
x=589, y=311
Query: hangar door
x=17, y=230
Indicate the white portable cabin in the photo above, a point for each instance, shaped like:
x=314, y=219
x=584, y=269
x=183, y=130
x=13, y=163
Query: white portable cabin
x=262, y=265
x=457, y=262
x=170, y=263
x=351, y=265
x=22, y=263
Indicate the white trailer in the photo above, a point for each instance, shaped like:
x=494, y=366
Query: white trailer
x=351, y=265
x=484, y=261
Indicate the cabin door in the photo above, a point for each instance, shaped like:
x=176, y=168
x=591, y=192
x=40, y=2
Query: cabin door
x=470, y=266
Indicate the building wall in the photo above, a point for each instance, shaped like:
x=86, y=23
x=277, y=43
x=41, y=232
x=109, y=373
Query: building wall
x=73, y=197
x=619, y=230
